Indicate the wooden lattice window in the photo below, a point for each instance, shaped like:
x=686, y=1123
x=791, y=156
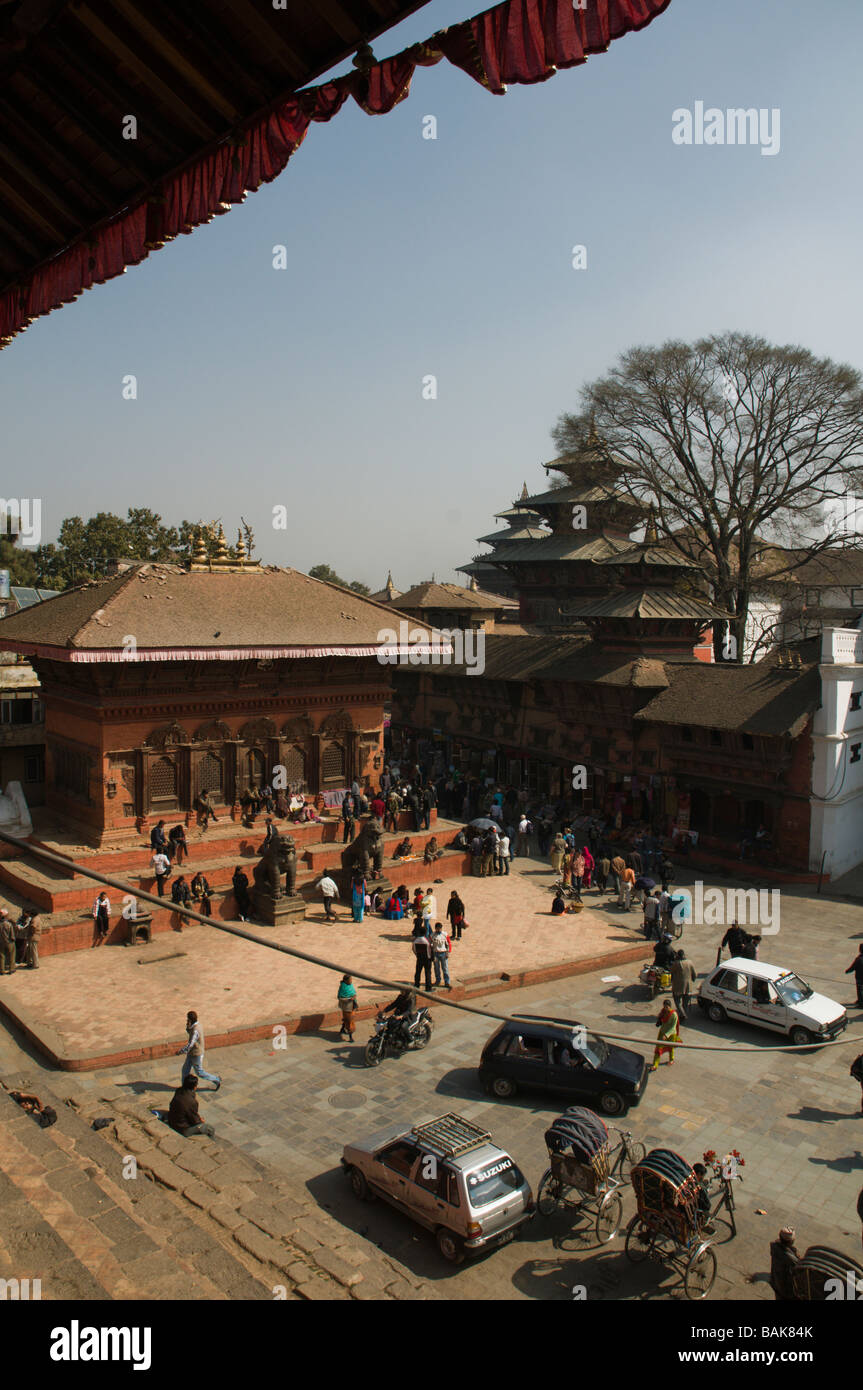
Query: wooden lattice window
x=295, y=765
x=72, y=772
x=255, y=768
x=210, y=773
x=163, y=780
x=333, y=763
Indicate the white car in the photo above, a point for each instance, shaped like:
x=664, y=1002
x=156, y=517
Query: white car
x=752, y=991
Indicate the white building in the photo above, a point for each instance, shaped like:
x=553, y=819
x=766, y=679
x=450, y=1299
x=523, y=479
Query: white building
x=836, y=821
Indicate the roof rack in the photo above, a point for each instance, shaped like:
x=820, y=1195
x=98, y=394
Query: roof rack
x=451, y=1135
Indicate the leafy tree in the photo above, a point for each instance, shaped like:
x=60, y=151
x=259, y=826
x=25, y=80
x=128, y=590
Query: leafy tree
x=20, y=563
x=739, y=444
x=329, y=576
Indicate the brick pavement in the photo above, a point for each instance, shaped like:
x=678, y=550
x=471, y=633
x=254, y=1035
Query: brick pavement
x=794, y=1117
x=73, y=1000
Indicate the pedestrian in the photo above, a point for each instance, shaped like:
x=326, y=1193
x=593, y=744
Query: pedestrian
x=391, y=820
x=201, y=893
x=429, y=905
x=194, y=1052
x=178, y=846
x=651, y=917
x=603, y=870
x=347, y=1001
x=7, y=943
x=668, y=1025
x=666, y=873
x=558, y=848
x=618, y=864
x=627, y=883
x=489, y=853
x=158, y=838
x=589, y=865
x=682, y=981
x=329, y=892
x=476, y=855
x=455, y=914
x=32, y=934
x=422, y=949
x=358, y=897
x=524, y=832
x=101, y=918
x=183, y=1113
x=269, y=831
x=857, y=1073
x=427, y=801
x=161, y=868
x=440, y=954
x=21, y=937
x=783, y=1257
x=379, y=807
x=577, y=871
x=503, y=853
x=735, y=939
x=636, y=863
x=856, y=967
x=349, y=823
x=240, y=886
x=205, y=810
x=181, y=897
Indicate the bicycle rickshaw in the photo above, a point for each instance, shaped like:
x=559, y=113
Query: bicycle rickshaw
x=668, y=1224
x=579, y=1178
x=824, y=1274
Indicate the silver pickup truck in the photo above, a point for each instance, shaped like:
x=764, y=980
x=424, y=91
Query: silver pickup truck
x=448, y=1176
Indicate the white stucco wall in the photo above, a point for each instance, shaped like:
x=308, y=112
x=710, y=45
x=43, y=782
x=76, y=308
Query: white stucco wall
x=836, y=827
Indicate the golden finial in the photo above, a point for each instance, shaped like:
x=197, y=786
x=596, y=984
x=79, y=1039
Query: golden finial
x=199, y=550
x=241, y=548
x=221, y=545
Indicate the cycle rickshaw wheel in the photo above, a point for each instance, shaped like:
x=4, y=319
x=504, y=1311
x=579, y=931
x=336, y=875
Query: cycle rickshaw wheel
x=632, y=1154
x=548, y=1194
x=608, y=1217
x=700, y=1273
x=639, y=1239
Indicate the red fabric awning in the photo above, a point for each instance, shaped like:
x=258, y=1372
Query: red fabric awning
x=519, y=41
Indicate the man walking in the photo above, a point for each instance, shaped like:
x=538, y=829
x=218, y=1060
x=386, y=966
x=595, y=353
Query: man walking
x=161, y=868
x=618, y=864
x=651, y=917
x=523, y=841
x=183, y=1113
x=194, y=1052
x=682, y=981
x=394, y=806
x=856, y=967
x=440, y=952
x=329, y=892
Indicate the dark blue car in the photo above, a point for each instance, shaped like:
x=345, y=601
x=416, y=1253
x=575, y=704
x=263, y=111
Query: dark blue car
x=563, y=1059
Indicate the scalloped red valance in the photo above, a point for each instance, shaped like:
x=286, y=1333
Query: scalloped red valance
x=519, y=41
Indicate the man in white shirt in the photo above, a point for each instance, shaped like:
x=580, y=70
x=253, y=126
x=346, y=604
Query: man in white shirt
x=440, y=955
x=329, y=890
x=502, y=865
x=430, y=905
x=161, y=868
x=523, y=836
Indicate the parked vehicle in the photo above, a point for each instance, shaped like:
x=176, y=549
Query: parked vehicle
x=447, y=1175
x=389, y=1037
x=669, y=1225
x=751, y=991
x=657, y=980
x=579, y=1177
x=562, y=1058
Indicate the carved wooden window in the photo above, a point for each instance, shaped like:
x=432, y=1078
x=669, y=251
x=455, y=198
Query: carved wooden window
x=210, y=773
x=333, y=763
x=255, y=768
x=72, y=772
x=295, y=766
x=163, y=780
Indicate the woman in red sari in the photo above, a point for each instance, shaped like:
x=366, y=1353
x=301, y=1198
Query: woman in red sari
x=589, y=865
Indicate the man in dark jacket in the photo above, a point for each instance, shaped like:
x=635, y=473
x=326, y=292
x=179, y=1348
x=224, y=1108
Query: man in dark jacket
x=783, y=1257
x=183, y=1113
x=856, y=967
x=682, y=980
x=663, y=953
x=736, y=939
x=158, y=838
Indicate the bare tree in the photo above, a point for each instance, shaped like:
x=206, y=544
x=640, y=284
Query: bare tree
x=739, y=444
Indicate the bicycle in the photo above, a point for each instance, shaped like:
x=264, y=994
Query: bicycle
x=721, y=1185
x=625, y=1154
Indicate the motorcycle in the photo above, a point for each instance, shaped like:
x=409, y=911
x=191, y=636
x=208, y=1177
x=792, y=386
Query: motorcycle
x=657, y=980
x=388, y=1036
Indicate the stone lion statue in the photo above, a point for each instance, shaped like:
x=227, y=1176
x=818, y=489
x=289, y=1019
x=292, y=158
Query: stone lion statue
x=279, y=857
x=366, y=850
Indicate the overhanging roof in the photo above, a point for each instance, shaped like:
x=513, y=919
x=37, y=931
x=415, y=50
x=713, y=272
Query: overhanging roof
x=214, y=87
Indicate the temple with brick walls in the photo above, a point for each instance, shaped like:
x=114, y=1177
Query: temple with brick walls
x=163, y=682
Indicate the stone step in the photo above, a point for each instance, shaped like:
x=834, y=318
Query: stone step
x=258, y=1215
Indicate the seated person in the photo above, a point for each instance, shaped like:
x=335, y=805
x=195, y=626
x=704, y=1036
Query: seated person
x=403, y=1009
x=201, y=892
x=393, y=911
x=403, y=896
x=564, y=1056
x=663, y=953
x=431, y=852
x=461, y=840
x=183, y=1113
x=525, y=1049
x=558, y=904
x=404, y=850
x=760, y=992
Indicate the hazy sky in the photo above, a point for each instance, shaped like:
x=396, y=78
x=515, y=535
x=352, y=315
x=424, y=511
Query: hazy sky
x=452, y=257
